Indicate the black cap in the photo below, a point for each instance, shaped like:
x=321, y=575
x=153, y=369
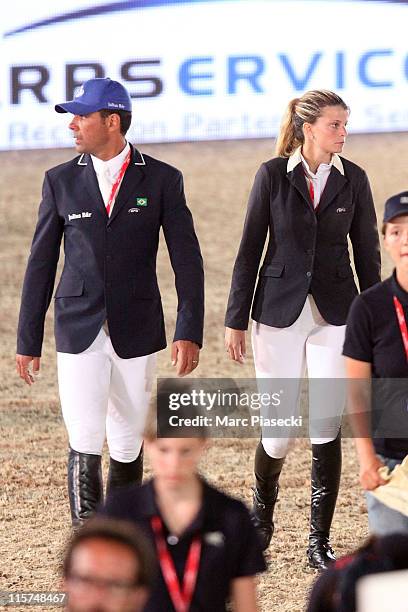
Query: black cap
x=395, y=206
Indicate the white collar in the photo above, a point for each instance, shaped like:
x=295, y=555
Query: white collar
x=297, y=158
x=112, y=165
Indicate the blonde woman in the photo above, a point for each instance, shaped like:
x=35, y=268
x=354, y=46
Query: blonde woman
x=308, y=200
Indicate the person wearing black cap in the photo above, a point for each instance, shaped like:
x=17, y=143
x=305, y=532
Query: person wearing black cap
x=108, y=204
x=376, y=347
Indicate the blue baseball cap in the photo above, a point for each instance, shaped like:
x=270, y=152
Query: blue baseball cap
x=395, y=206
x=95, y=95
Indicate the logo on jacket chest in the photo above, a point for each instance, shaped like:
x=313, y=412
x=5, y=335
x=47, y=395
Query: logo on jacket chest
x=82, y=215
x=139, y=202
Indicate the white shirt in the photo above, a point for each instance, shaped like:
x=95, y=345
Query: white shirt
x=319, y=178
x=107, y=173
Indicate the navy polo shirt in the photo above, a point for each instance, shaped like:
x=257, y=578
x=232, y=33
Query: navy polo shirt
x=373, y=335
x=230, y=546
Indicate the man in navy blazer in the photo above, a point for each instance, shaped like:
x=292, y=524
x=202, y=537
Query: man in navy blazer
x=108, y=204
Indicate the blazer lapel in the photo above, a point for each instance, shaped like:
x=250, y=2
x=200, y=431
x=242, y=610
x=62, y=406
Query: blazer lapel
x=298, y=180
x=91, y=182
x=334, y=185
x=134, y=175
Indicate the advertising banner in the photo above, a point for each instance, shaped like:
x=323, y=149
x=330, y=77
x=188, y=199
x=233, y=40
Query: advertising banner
x=203, y=69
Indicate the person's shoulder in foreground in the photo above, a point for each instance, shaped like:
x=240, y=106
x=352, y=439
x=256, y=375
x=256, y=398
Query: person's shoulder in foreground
x=221, y=513
x=139, y=501
x=374, y=294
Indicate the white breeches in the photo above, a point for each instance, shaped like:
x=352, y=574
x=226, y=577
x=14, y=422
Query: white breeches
x=102, y=396
x=312, y=343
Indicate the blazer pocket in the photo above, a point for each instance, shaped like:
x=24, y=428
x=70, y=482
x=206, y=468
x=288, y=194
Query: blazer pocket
x=344, y=271
x=70, y=287
x=274, y=269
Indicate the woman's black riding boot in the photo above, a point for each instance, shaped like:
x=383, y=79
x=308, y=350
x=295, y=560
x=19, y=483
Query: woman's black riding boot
x=85, y=488
x=325, y=481
x=267, y=472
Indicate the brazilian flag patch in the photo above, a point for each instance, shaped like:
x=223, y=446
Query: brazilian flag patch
x=141, y=201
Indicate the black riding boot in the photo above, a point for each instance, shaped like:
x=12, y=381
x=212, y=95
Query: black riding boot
x=267, y=471
x=326, y=470
x=84, y=485
x=124, y=474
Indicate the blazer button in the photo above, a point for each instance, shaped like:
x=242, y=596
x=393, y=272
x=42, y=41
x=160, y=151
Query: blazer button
x=308, y=274
x=108, y=229
x=108, y=285
x=108, y=257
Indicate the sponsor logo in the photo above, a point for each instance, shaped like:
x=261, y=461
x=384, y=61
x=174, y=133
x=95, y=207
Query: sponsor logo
x=133, y=210
x=214, y=538
x=115, y=105
x=82, y=215
x=205, y=79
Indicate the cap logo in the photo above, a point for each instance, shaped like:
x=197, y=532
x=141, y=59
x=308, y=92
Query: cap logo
x=79, y=91
x=404, y=200
x=115, y=105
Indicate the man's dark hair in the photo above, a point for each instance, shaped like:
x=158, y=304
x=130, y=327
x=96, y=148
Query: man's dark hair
x=119, y=532
x=124, y=116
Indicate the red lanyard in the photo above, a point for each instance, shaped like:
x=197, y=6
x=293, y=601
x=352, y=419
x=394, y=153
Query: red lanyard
x=181, y=598
x=116, y=184
x=311, y=190
x=402, y=324
x=311, y=187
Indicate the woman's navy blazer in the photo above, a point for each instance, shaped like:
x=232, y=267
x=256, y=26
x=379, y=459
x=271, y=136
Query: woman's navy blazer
x=307, y=251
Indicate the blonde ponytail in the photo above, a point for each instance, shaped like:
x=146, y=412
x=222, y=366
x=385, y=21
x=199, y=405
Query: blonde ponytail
x=288, y=138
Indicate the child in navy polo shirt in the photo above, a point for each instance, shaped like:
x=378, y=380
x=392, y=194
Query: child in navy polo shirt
x=207, y=548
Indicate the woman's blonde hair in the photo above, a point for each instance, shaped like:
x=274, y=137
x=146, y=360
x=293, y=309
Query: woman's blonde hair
x=306, y=109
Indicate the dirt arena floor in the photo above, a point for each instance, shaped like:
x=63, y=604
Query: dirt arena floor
x=33, y=498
